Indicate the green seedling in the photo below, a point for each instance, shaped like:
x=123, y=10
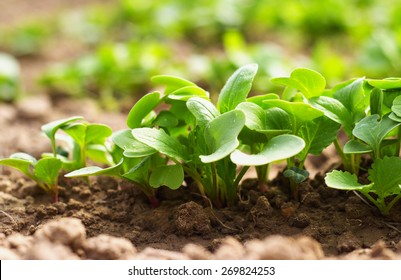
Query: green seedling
x=265, y=140
x=139, y=164
x=44, y=171
x=385, y=187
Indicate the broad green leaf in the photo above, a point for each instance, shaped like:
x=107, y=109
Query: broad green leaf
x=47, y=170
x=142, y=108
x=77, y=131
x=318, y=135
x=334, y=110
x=344, y=181
x=159, y=140
x=236, y=88
x=356, y=147
x=396, y=108
x=95, y=170
x=97, y=133
x=386, y=175
x=372, y=130
x=300, y=112
x=221, y=135
x=352, y=97
x=132, y=147
x=258, y=99
x=170, y=176
x=139, y=172
x=307, y=81
x=172, y=83
x=187, y=92
x=278, y=148
x=203, y=110
x=376, y=102
x=166, y=119
x=20, y=161
x=98, y=153
x=389, y=83
x=51, y=128
x=270, y=122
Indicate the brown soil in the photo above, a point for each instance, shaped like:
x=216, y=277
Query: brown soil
x=109, y=219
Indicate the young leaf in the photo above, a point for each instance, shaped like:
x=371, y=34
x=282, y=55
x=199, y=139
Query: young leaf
x=389, y=83
x=172, y=83
x=20, y=161
x=318, y=135
x=161, y=141
x=47, y=170
x=142, y=108
x=95, y=170
x=386, y=175
x=372, y=131
x=376, y=102
x=396, y=107
x=221, y=135
x=187, y=92
x=170, y=176
x=236, y=88
x=51, y=128
x=297, y=175
x=344, y=181
x=307, y=81
x=270, y=122
x=356, y=147
x=278, y=148
x=352, y=97
x=166, y=119
x=132, y=147
x=203, y=110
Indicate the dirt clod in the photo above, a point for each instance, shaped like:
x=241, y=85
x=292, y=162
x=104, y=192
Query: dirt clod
x=190, y=218
x=301, y=220
x=348, y=242
x=104, y=247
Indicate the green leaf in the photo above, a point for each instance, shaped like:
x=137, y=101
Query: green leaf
x=297, y=175
x=170, y=176
x=203, y=110
x=166, y=119
x=51, y=128
x=278, y=148
x=356, y=147
x=307, y=81
x=47, y=170
x=300, y=112
x=142, y=108
x=95, y=170
x=344, y=181
x=386, y=175
x=20, y=161
x=334, y=110
x=236, y=88
x=352, y=97
x=396, y=108
x=221, y=135
x=318, y=135
x=187, y=92
x=97, y=133
x=389, y=83
x=270, y=122
x=132, y=147
x=372, y=130
x=259, y=99
x=376, y=102
x=172, y=83
x=159, y=140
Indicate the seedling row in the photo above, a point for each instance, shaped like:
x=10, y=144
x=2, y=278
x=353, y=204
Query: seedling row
x=179, y=135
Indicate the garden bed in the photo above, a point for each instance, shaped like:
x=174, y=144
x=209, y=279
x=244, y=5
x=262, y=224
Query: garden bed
x=326, y=223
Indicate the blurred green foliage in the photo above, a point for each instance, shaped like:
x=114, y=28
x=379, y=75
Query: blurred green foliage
x=203, y=40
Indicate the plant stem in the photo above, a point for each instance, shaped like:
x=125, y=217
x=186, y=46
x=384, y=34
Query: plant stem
x=240, y=175
x=343, y=156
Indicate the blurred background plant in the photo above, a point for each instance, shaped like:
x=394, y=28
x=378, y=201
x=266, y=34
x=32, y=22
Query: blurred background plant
x=119, y=44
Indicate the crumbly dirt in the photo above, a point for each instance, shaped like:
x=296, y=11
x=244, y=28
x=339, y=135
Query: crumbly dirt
x=110, y=219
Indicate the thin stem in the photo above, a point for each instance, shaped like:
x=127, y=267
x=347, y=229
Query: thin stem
x=391, y=204
x=343, y=156
x=240, y=175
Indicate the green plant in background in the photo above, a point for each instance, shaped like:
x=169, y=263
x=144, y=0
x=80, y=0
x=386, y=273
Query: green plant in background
x=9, y=78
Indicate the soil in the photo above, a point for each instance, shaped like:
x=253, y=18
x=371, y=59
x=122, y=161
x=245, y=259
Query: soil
x=111, y=219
